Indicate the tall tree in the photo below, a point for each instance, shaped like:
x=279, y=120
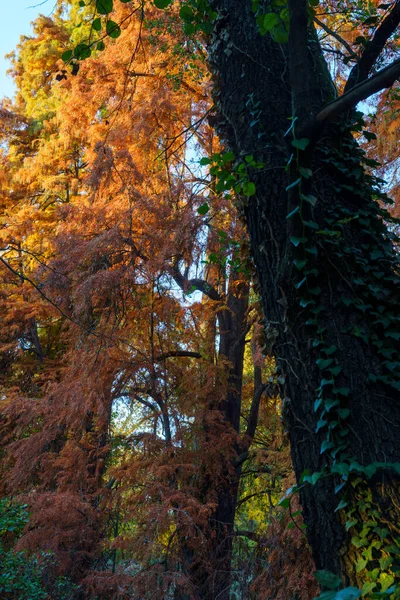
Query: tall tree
x=326, y=264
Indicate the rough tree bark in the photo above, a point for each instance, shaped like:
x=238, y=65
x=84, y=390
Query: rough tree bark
x=259, y=86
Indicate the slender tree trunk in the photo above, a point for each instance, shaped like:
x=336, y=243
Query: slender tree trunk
x=333, y=316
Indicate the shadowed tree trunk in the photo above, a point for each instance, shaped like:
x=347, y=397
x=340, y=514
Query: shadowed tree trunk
x=327, y=275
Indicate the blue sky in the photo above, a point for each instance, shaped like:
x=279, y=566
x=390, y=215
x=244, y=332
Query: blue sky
x=16, y=16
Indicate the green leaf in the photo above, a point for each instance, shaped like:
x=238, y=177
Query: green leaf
x=350, y=523
x=294, y=211
x=328, y=579
x=358, y=542
x=162, y=3
x=270, y=21
x=326, y=596
x=386, y=581
x=326, y=445
x=341, y=468
x=349, y=593
x=189, y=28
x=298, y=285
x=342, y=504
x=284, y=502
x=299, y=264
x=296, y=241
x=312, y=479
x=301, y=144
x=205, y=161
x=343, y=413
x=310, y=199
x=306, y=173
x=97, y=24
x=293, y=184
x=361, y=564
x=203, y=209
x=367, y=588
x=103, y=7
x=249, y=188
x=385, y=562
x=311, y=224
x=113, y=29
x=343, y=391
x=279, y=34
x=100, y=46
x=331, y=403
x=317, y=404
x=82, y=51
x=323, y=363
x=67, y=55
x=304, y=302
x=186, y=13
x=331, y=350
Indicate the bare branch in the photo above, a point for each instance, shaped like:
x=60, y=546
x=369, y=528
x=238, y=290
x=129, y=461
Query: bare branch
x=374, y=48
x=337, y=38
x=178, y=354
x=252, y=535
x=199, y=284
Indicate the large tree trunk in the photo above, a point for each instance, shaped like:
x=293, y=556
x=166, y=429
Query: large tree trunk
x=334, y=314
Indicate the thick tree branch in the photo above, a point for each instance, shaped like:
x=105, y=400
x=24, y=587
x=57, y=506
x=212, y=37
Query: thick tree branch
x=252, y=535
x=259, y=389
x=199, y=284
x=374, y=48
x=178, y=354
x=383, y=79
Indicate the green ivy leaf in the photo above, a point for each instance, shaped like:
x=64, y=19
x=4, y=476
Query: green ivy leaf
x=296, y=241
x=270, y=20
x=323, y=363
x=349, y=593
x=328, y=579
x=343, y=413
x=309, y=198
x=361, y=564
x=293, y=212
x=293, y=184
x=326, y=445
x=300, y=264
x=367, y=588
x=301, y=144
x=386, y=581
